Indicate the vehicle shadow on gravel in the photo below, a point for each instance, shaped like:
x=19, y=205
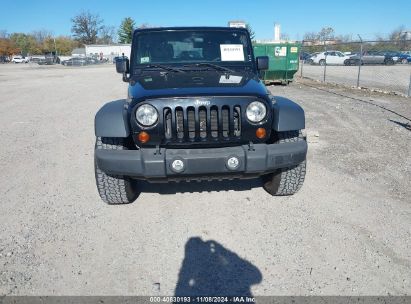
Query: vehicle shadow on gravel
x=203, y=186
x=209, y=269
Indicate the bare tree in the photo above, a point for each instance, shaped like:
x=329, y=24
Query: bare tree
x=107, y=35
x=250, y=31
x=310, y=36
x=345, y=38
x=401, y=38
x=4, y=34
x=326, y=33
x=398, y=34
x=285, y=37
x=86, y=27
x=41, y=35
x=144, y=25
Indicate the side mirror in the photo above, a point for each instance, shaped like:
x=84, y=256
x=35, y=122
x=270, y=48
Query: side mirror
x=262, y=63
x=122, y=65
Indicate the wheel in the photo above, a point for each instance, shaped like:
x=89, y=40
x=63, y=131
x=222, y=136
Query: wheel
x=286, y=181
x=347, y=62
x=322, y=62
x=114, y=189
x=389, y=61
x=357, y=62
x=404, y=61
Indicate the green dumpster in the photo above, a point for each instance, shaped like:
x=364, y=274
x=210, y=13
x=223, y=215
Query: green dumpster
x=283, y=60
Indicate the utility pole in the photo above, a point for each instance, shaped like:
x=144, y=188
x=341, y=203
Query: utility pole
x=301, y=62
x=325, y=61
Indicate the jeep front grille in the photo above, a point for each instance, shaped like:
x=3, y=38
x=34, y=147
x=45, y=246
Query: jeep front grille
x=202, y=123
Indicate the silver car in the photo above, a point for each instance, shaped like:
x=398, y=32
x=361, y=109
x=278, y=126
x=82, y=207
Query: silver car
x=372, y=57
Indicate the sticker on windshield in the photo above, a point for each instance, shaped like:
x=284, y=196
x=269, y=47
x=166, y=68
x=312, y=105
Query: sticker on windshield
x=230, y=79
x=144, y=59
x=232, y=52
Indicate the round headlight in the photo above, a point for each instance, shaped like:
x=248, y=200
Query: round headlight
x=146, y=115
x=256, y=111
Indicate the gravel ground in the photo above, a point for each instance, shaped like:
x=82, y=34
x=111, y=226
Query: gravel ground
x=394, y=78
x=347, y=232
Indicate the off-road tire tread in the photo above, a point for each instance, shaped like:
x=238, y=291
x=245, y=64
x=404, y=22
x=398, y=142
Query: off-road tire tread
x=114, y=189
x=286, y=181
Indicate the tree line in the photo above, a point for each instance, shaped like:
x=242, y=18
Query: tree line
x=86, y=28
x=89, y=28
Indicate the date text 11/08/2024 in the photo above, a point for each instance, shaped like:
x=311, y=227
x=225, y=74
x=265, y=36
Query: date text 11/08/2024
x=206, y=299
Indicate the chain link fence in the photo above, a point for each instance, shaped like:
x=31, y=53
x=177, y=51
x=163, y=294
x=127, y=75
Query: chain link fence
x=377, y=65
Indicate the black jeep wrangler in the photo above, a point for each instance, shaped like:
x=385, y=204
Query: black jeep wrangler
x=196, y=110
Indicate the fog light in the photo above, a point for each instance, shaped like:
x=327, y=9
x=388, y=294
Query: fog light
x=260, y=133
x=233, y=163
x=177, y=165
x=143, y=137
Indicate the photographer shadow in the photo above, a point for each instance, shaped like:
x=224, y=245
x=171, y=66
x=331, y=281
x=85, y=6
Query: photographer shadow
x=209, y=269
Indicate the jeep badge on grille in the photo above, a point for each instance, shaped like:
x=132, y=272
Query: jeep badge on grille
x=200, y=102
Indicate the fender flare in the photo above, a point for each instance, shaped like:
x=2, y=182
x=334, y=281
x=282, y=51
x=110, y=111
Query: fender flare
x=287, y=115
x=112, y=120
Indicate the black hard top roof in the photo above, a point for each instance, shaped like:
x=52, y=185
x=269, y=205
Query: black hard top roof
x=205, y=28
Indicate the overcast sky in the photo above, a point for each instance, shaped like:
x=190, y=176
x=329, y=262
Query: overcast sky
x=367, y=18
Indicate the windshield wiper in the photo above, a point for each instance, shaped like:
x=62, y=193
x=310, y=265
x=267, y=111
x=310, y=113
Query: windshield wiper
x=214, y=66
x=163, y=67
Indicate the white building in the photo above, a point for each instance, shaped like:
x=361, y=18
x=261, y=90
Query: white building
x=108, y=50
x=78, y=52
x=277, y=32
x=407, y=34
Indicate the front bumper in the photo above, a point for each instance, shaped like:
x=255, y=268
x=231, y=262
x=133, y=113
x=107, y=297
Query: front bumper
x=207, y=163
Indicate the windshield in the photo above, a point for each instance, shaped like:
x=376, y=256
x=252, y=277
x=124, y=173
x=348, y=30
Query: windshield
x=183, y=47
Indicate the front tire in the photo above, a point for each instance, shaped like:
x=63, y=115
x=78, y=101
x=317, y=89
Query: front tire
x=114, y=189
x=322, y=62
x=389, y=62
x=286, y=181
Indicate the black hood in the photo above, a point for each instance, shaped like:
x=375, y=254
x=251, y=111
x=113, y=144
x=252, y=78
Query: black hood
x=197, y=83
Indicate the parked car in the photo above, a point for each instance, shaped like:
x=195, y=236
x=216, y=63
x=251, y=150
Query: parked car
x=20, y=59
x=310, y=59
x=304, y=56
x=408, y=60
x=37, y=59
x=330, y=58
x=75, y=61
x=372, y=57
x=91, y=60
x=4, y=59
x=398, y=56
